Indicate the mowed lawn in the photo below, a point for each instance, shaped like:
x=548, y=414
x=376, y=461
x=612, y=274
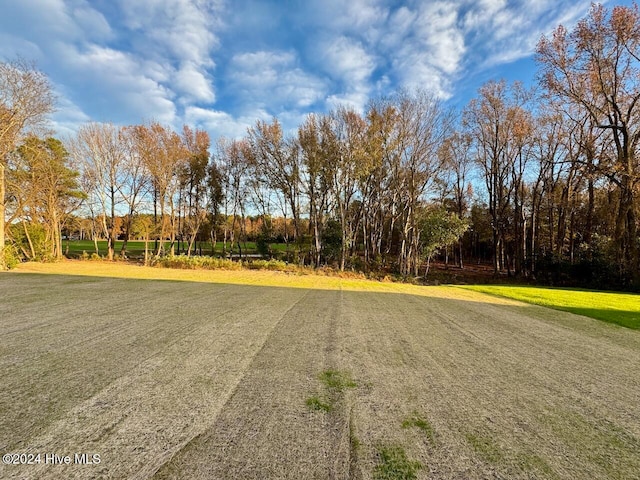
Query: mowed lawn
x=135, y=248
x=262, y=375
x=618, y=308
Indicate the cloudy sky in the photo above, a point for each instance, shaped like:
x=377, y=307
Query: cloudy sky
x=223, y=64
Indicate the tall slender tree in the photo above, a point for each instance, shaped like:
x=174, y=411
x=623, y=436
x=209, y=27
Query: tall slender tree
x=278, y=161
x=101, y=152
x=26, y=98
x=496, y=122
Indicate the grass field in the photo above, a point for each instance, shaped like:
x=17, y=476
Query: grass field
x=619, y=308
x=135, y=248
x=264, y=375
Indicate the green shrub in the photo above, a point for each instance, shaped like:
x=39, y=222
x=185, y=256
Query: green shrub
x=36, y=235
x=276, y=265
x=214, y=263
x=10, y=258
x=196, y=262
x=263, y=245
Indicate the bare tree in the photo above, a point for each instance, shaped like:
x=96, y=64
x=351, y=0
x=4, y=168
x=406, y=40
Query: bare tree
x=100, y=150
x=595, y=67
x=497, y=123
x=134, y=182
x=164, y=155
x=278, y=162
x=348, y=151
x=193, y=180
x=26, y=98
x=316, y=141
x=375, y=181
x=232, y=158
x=455, y=154
x=422, y=125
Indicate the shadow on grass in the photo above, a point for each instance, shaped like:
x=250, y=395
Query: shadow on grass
x=623, y=318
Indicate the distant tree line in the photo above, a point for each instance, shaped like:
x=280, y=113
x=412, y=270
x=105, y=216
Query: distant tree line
x=539, y=183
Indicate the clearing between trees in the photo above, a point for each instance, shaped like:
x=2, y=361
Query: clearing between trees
x=234, y=377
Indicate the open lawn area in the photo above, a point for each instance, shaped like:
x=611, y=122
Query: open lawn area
x=135, y=248
x=613, y=307
x=267, y=375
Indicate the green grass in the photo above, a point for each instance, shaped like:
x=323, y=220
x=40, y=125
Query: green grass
x=617, y=308
x=597, y=440
x=135, y=248
x=394, y=465
x=336, y=380
x=485, y=447
x=419, y=422
x=535, y=464
x=316, y=404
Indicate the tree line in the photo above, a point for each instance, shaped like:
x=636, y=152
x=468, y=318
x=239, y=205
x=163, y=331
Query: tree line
x=539, y=182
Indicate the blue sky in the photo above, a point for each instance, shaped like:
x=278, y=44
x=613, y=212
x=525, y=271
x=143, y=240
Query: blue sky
x=222, y=64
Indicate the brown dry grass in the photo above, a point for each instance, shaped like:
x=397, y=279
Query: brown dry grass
x=170, y=379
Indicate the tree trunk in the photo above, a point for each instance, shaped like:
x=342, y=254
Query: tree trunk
x=127, y=233
x=146, y=248
x=426, y=270
x=26, y=234
x=112, y=231
x=626, y=233
x=496, y=252
x=588, y=231
x=56, y=232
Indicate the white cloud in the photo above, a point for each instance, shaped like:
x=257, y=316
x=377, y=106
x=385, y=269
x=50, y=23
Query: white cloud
x=481, y=13
x=177, y=39
x=438, y=29
x=68, y=116
x=92, y=22
x=416, y=71
x=194, y=84
x=12, y=46
x=131, y=60
x=355, y=100
x=115, y=84
x=363, y=18
x=272, y=78
x=347, y=60
x=152, y=59
x=41, y=21
x=400, y=22
x=426, y=46
x=255, y=69
x=184, y=29
x=500, y=32
x=222, y=124
x=350, y=65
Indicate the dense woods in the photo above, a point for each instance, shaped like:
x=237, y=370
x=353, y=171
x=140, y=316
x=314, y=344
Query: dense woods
x=539, y=183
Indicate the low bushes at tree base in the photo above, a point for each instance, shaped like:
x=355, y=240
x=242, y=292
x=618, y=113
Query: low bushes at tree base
x=214, y=263
x=9, y=257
